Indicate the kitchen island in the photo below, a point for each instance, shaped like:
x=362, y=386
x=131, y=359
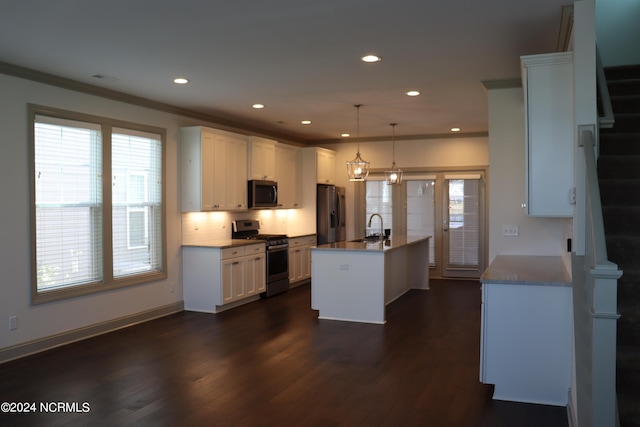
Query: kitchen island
x=355, y=280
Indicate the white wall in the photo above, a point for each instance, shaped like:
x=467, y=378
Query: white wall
x=618, y=32
x=58, y=317
x=537, y=236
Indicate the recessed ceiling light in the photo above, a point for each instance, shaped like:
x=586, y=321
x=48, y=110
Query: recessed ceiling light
x=345, y=135
x=180, y=81
x=258, y=106
x=455, y=129
x=306, y=122
x=413, y=93
x=371, y=58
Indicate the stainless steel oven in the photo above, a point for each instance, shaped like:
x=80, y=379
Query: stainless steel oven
x=277, y=254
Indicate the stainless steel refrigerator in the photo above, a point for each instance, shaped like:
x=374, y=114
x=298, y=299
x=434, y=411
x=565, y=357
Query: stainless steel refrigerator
x=331, y=214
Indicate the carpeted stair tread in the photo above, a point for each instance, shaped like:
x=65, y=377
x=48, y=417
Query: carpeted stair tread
x=620, y=192
x=619, y=179
x=619, y=143
x=619, y=167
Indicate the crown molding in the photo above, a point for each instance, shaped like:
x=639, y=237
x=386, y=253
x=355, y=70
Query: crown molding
x=89, y=89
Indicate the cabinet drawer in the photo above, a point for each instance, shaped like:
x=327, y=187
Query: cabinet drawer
x=233, y=252
x=302, y=241
x=255, y=249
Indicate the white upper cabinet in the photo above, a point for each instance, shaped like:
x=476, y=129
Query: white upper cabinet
x=262, y=158
x=325, y=166
x=214, y=170
x=288, y=175
x=548, y=100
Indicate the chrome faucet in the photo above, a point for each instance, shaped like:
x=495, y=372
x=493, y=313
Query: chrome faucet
x=381, y=224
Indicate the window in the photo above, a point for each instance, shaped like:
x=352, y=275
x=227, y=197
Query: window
x=378, y=200
x=96, y=203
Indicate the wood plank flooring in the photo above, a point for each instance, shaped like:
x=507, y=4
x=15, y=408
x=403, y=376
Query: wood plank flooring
x=273, y=363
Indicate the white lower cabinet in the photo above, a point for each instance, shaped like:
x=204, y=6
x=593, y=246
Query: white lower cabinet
x=300, y=258
x=213, y=277
x=526, y=342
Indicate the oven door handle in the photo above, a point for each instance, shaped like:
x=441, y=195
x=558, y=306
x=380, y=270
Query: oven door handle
x=278, y=247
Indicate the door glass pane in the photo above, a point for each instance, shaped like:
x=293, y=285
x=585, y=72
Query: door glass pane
x=378, y=200
x=421, y=212
x=464, y=224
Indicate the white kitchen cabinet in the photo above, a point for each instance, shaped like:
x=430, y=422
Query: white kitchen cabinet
x=262, y=158
x=255, y=270
x=215, y=277
x=288, y=175
x=214, y=170
x=527, y=329
x=300, y=258
x=325, y=166
x=548, y=99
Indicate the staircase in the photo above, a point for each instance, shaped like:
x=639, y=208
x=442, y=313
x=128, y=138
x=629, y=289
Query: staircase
x=619, y=176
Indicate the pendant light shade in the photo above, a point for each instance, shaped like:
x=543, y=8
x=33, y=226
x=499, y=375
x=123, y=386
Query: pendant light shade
x=358, y=168
x=393, y=176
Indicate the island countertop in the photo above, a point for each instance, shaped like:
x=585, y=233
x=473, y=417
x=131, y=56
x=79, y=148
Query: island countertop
x=527, y=270
x=394, y=242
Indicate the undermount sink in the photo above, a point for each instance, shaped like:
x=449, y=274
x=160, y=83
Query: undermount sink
x=367, y=239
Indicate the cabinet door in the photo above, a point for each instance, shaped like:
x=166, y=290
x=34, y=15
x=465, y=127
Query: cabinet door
x=255, y=274
x=306, y=262
x=240, y=173
x=548, y=86
x=288, y=176
x=207, y=167
x=263, y=158
x=229, y=278
x=326, y=164
x=218, y=173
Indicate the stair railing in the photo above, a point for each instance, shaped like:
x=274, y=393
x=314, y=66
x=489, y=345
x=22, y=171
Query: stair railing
x=595, y=284
x=606, y=119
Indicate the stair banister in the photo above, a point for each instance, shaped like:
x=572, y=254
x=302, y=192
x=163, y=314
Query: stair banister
x=595, y=306
x=606, y=120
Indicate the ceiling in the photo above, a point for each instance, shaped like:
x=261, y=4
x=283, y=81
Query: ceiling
x=301, y=59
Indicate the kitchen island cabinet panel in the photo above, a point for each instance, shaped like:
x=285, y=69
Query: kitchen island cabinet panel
x=354, y=281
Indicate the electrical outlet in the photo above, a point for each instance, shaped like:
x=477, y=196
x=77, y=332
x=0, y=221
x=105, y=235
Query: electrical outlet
x=13, y=323
x=344, y=266
x=509, y=230
x=172, y=287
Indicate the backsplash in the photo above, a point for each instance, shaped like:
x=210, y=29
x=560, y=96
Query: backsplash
x=199, y=227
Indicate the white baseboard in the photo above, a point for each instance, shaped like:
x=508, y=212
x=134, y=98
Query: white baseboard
x=36, y=346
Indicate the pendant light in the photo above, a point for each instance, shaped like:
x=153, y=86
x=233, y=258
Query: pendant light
x=358, y=168
x=393, y=175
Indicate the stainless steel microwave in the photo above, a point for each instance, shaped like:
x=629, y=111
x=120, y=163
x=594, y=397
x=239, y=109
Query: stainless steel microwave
x=262, y=194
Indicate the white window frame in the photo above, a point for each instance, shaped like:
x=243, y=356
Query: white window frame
x=104, y=250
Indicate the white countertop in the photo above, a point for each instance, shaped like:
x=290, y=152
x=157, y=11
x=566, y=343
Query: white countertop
x=372, y=246
x=527, y=270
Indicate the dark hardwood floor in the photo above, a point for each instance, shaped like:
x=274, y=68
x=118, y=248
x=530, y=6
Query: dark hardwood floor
x=273, y=363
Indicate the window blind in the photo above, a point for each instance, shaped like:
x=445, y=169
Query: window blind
x=421, y=211
x=68, y=202
x=136, y=159
x=464, y=222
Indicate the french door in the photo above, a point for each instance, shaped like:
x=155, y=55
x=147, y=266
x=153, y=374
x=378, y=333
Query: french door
x=463, y=225
x=446, y=205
